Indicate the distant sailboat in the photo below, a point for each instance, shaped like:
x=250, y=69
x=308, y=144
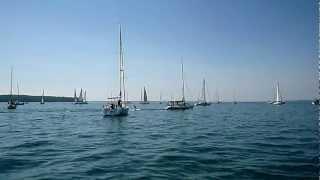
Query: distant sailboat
x=42, y=97
x=144, y=97
x=18, y=102
x=278, y=100
x=182, y=104
x=82, y=99
x=234, y=98
x=11, y=102
x=218, y=98
x=118, y=105
x=203, y=101
x=160, y=99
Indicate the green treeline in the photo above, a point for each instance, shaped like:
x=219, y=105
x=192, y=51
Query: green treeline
x=27, y=98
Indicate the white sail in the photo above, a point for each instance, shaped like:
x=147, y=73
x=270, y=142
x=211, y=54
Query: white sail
x=204, y=90
x=80, y=96
x=85, y=96
x=75, y=95
x=42, y=97
x=183, y=98
x=278, y=98
x=145, y=97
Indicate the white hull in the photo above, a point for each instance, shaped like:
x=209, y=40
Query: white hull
x=117, y=111
x=144, y=102
x=179, y=107
x=277, y=102
x=81, y=103
x=203, y=104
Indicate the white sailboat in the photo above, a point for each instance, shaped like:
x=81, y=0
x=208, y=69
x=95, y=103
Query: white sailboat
x=182, y=104
x=160, y=98
x=278, y=100
x=144, y=97
x=42, y=97
x=18, y=102
x=234, y=98
x=11, y=102
x=203, y=101
x=117, y=105
x=218, y=98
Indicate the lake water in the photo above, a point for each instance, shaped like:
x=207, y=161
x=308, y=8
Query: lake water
x=225, y=141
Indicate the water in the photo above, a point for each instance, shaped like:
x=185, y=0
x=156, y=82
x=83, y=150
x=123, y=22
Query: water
x=226, y=141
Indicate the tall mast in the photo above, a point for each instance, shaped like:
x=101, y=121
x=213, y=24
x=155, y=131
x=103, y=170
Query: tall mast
x=278, y=93
x=11, y=83
x=182, y=80
x=18, y=91
x=204, y=90
x=120, y=62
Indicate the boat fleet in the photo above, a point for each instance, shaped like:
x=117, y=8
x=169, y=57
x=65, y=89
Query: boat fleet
x=118, y=105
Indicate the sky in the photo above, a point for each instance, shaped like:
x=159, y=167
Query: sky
x=240, y=47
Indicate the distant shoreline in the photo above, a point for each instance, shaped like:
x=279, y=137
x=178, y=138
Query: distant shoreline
x=28, y=98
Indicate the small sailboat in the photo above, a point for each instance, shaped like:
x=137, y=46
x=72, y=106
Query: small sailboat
x=160, y=99
x=11, y=102
x=203, y=101
x=117, y=105
x=234, y=98
x=218, y=98
x=316, y=102
x=182, y=104
x=42, y=97
x=278, y=100
x=18, y=102
x=144, y=97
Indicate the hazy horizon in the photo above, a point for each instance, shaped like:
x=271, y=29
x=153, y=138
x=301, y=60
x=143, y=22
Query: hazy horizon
x=243, y=46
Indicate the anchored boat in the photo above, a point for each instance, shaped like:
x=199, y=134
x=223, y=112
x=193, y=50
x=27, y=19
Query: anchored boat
x=18, y=102
x=278, y=100
x=42, y=97
x=11, y=102
x=144, y=96
x=182, y=104
x=117, y=106
x=203, y=101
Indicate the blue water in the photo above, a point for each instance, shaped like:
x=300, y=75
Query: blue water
x=225, y=141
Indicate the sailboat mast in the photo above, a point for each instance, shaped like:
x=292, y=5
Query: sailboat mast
x=11, y=83
x=204, y=90
x=182, y=80
x=18, y=91
x=277, y=91
x=120, y=63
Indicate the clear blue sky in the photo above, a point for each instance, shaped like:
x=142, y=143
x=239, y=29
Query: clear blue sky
x=237, y=45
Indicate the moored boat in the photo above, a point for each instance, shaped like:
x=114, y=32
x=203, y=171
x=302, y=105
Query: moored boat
x=117, y=106
x=182, y=104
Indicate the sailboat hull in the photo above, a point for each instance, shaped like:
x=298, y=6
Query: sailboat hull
x=178, y=105
x=12, y=106
x=278, y=102
x=19, y=103
x=118, y=111
x=81, y=103
x=144, y=103
x=203, y=104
